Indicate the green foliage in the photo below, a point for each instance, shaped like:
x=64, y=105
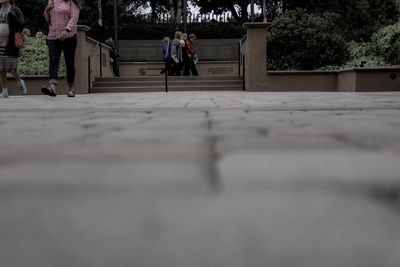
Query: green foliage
x=302, y=41
x=33, y=59
x=387, y=43
x=364, y=55
x=359, y=19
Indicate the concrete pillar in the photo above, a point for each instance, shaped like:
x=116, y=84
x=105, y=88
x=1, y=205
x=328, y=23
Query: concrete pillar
x=81, y=61
x=256, y=56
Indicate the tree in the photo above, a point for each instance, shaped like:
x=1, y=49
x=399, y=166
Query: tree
x=305, y=41
x=33, y=14
x=359, y=19
x=387, y=43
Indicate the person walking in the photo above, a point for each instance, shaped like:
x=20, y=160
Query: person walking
x=185, y=57
x=191, y=51
x=61, y=17
x=11, y=22
x=165, y=54
x=114, y=55
x=176, y=54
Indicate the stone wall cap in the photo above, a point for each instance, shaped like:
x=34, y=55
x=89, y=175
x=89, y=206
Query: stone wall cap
x=300, y=72
x=93, y=41
x=122, y=62
x=319, y=72
x=256, y=25
x=84, y=28
x=377, y=69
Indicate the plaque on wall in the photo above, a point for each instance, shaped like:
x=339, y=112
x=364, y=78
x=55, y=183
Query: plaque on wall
x=220, y=70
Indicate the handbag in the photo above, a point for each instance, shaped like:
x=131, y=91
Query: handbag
x=19, y=40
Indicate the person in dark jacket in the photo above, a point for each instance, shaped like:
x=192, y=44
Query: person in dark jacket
x=165, y=54
x=11, y=21
x=193, y=58
x=114, y=56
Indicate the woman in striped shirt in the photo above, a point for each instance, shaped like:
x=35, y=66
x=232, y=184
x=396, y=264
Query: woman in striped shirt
x=62, y=17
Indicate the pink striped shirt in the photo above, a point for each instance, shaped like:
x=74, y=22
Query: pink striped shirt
x=64, y=15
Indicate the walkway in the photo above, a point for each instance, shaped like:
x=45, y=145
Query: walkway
x=188, y=179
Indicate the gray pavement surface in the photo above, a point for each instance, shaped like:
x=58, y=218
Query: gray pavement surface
x=200, y=179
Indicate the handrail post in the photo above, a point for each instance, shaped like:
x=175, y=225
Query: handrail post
x=166, y=75
x=89, y=82
x=244, y=72
x=239, y=58
x=101, y=62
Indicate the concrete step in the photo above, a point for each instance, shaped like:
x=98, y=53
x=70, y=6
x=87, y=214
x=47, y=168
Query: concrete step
x=157, y=84
x=170, y=78
x=126, y=89
x=204, y=83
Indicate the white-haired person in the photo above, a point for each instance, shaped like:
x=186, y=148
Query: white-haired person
x=176, y=54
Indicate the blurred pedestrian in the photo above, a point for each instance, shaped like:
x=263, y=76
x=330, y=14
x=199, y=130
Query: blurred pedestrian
x=114, y=56
x=11, y=22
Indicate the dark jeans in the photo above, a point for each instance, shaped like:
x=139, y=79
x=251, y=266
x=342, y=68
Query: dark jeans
x=189, y=66
x=193, y=68
x=68, y=47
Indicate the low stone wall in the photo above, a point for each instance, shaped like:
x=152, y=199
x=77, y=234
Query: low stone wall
x=377, y=79
x=353, y=80
x=324, y=81
x=34, y=84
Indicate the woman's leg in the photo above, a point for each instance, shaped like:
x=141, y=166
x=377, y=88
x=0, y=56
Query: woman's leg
x=69, y=48
x=54, y=47
x=193, y=68
x=21, y=83
x=3, y=84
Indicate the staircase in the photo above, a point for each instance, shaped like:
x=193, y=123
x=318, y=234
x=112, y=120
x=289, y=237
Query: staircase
x=157, y=84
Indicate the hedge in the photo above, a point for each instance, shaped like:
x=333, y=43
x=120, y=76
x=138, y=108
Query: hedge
x=302, y=41
x=33, y=59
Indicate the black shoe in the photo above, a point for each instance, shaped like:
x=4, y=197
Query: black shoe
x=48, y=91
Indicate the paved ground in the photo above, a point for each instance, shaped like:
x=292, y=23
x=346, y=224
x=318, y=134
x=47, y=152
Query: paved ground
x=200, y=179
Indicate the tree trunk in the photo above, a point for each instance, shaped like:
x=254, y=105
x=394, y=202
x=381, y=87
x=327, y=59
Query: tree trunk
x=245, y=14
x=175, y=10
x=153, y=6
x=179, y=9
x=172, y=10
x=233, y=11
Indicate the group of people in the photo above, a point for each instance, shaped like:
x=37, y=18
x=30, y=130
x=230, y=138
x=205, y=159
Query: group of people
x=180, y=55
x=62, y=17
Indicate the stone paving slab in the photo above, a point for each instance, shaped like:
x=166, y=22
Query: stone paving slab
x=200, y=179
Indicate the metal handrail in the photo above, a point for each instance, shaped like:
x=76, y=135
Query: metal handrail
x=242, y=60
x=91, y=54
